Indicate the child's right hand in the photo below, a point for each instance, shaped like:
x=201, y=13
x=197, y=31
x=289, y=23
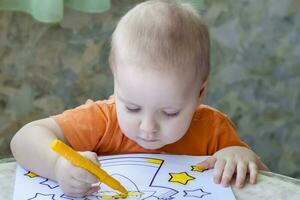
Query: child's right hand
x=75, y=181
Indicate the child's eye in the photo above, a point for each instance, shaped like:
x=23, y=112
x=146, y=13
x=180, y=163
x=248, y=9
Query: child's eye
x=174, y=114
x=132, y=109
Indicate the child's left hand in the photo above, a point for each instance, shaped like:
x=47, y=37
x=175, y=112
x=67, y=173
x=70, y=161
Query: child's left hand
x=230, y=160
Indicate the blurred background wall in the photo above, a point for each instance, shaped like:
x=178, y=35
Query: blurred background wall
x=46, y=68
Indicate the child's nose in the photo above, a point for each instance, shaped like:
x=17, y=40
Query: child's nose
x=149, y=126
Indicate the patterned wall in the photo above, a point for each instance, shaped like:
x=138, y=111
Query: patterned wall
x=255, y=77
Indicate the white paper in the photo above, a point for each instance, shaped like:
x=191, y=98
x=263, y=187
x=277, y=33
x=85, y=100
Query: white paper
x=145, y=176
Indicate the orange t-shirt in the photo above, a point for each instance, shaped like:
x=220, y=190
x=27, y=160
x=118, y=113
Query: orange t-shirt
x=94, y=127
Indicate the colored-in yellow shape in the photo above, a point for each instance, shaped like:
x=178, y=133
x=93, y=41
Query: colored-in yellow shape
x=119, y=196
x=182, y=178
x=31, y=174
x=154, y=161
x=197, y=168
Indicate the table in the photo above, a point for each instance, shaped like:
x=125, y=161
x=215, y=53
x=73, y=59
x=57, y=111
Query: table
x=269, y=185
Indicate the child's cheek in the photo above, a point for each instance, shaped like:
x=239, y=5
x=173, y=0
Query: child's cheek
x=174, y=131
x=128, y=124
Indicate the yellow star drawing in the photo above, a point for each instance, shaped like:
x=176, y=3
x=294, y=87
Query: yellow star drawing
x=182, y=178
x=197, y=168
x=31, y=174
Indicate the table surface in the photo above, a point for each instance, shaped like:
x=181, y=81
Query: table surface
x=269, y=185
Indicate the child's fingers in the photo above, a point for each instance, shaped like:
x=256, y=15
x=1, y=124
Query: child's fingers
x=208, y=163
x=93, y=189
x=262, y=166
x=228, y=172
x=75, y=183
x=253, y=170
x=241, y=174
x=84, y=176
x=91, y=156
x=73, y=191
x=80, y=188
x=218, y=171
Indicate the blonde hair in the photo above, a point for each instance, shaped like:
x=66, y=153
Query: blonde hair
x=166, y=34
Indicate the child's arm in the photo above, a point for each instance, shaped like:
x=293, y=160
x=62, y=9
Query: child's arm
x=234, y=160
x=31, y=148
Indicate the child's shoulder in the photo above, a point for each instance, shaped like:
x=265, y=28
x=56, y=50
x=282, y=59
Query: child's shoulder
x=106, y=105
x=103, y=102
x=207, y=112
x=110, y=101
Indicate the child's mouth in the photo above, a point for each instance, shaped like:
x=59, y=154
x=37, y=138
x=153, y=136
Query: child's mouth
x=147, y=140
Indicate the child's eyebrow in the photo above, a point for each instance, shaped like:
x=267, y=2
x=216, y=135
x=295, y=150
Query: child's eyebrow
x=175, y=108
x=127, y=102
x=171, y=108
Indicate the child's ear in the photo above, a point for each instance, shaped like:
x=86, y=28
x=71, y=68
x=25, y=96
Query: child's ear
x=202, y=92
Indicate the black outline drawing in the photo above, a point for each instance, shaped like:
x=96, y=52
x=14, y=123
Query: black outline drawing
x=40, y=194
x=157, y=193
x=172, y=176
x=48, y=183
x=166, y=196
x=203, y=193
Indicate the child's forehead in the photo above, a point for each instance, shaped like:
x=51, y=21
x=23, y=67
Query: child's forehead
x=150, y=83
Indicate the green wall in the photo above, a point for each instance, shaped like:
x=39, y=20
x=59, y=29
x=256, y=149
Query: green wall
x=255, y=76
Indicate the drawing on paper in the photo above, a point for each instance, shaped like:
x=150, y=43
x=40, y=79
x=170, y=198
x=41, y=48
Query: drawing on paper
x=145, y=176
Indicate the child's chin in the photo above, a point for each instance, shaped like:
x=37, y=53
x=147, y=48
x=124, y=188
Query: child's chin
x=151, y=146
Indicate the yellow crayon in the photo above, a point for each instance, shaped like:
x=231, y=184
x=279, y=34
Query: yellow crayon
x=80, y=161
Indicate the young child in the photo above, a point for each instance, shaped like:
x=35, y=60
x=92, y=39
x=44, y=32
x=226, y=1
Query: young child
x=160, y=62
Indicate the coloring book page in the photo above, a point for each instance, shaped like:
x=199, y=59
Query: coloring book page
x=145, y=176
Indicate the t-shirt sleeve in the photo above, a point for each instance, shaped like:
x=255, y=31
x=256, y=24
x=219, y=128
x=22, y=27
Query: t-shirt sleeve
x=84, y=126
x=225, y=135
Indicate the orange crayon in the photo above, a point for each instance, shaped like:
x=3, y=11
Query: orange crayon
x=80, y=161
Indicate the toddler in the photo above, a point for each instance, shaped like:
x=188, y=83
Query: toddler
x=160, y=62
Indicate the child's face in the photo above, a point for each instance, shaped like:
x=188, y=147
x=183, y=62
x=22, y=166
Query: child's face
x=155, y=108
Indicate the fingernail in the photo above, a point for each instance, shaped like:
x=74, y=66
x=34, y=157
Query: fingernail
x=93, y=189
x=198, y=168
x=225, y=184
x=216, y=181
